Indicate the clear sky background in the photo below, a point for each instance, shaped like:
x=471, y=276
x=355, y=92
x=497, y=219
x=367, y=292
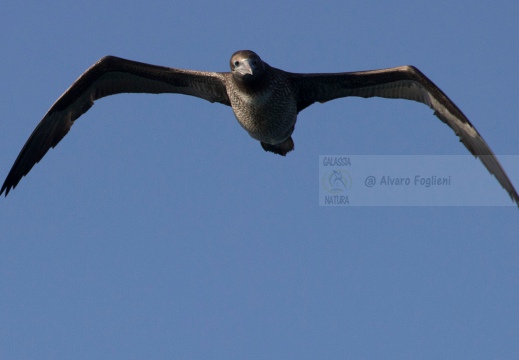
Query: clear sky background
x=158, y=229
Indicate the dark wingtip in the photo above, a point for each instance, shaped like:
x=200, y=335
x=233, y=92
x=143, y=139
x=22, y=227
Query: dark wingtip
x=6, y=189
x=7, y=186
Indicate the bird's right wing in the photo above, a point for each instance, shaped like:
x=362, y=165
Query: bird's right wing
x=405, y=82
x=109, y=76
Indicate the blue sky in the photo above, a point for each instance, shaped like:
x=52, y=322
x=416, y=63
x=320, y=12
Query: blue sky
x=159, y=229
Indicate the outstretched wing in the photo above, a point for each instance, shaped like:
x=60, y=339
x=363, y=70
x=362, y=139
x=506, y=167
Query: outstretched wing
x=405, y=82
x=109, y=76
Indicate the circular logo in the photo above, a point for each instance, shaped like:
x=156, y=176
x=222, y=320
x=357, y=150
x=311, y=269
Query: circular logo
x=336, y=181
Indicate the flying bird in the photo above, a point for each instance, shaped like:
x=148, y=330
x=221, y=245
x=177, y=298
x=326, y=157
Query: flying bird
x=265, y=100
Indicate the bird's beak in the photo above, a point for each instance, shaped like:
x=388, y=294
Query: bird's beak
x=245, y=68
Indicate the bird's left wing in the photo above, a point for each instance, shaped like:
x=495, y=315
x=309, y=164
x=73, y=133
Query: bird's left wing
x=405, y=82
x=109, y=76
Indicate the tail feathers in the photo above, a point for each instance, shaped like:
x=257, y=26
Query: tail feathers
x=281, y=148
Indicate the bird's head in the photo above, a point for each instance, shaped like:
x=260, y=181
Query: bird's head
x=246, y=65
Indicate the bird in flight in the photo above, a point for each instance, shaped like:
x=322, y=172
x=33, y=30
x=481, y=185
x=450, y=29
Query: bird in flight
x=265, y=100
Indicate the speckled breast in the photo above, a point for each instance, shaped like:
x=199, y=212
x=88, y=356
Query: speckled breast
x=268, y=116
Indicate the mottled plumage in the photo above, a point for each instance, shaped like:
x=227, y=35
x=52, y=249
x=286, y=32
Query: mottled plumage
x=265, y=100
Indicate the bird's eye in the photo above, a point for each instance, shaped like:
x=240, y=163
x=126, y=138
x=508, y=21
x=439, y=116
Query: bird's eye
x=236, y=63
